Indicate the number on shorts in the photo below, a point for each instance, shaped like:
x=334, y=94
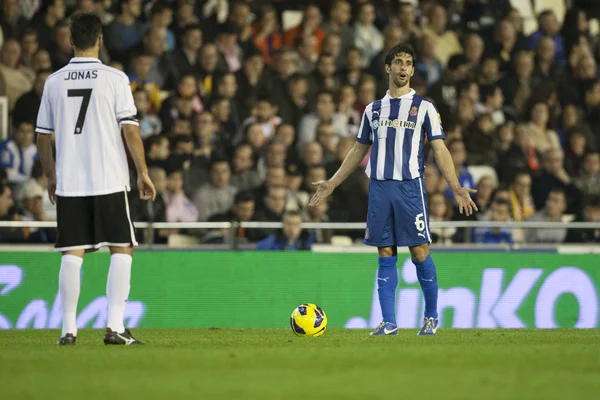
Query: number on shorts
x=419, y=223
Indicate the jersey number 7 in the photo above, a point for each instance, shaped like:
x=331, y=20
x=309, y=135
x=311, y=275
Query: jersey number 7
x=85, y=102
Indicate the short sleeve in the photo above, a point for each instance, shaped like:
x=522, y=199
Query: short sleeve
x=45, y=119
x=433, y=124
x=365, y=132
x=124, y=105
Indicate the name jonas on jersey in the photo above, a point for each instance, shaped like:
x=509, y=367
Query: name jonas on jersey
x=74, y=75
x=395, y=123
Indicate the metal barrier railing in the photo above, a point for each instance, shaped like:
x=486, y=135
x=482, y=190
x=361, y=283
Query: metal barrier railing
x=234, y=244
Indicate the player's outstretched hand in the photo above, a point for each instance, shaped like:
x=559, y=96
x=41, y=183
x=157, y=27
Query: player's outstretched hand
x=52, y=191
x=324, y=190
x=464, y=200
x=146, y=187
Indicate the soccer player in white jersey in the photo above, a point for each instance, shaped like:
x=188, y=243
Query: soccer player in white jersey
x=395, y=129
x=86, y=105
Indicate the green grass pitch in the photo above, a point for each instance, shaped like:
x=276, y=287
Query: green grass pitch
x=252, y=364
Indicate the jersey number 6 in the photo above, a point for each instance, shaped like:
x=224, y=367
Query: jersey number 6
x=419, y=223
x=85, y=102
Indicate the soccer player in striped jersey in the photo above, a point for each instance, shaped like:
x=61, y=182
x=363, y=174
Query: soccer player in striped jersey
x=86, y=105
x=395, y=129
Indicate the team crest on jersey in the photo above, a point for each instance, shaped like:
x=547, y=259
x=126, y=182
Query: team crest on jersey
x=413, y=111
x=367, y=234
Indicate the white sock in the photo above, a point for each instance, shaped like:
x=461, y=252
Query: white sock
x=69, y=279
x=117, y=290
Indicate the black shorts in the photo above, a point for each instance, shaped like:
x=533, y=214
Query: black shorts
x=92, y=222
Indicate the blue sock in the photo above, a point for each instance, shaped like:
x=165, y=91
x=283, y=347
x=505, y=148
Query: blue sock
x=428, y=279
x=387, y=281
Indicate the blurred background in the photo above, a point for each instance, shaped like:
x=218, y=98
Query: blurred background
x=242, y=104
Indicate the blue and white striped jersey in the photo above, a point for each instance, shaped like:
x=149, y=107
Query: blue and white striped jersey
x=397, y=128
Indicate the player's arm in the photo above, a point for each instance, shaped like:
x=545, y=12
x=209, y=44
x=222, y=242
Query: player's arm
x=133, y=138
x=351, y=162
x=125, y=111
x=45, y=128
x=443, y=159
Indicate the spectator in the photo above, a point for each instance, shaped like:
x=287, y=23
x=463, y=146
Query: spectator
x=428, y=66
x=161, y=16
x=458, y=153
x=352, y=71
x=443, y=92
x=546, y=68
x=474, y=46
x=478, y=139
x=244, y=175
x=9, y=235
x=26, y=107
x=542, y=138
x=367, y=37
x=326, y=137
x=266, y=35
x=312, y=156
x=575, y=149
x=32, y=203
x=520, y=197
x=318, y=214
x=340, y=14
x=61, y=49
x=217, y=195
x=391, y=35
x=126, y=32
x=184, y=59
x=310, y=26
x=324, y=112
x=157, y=150
x=14, y=79
x=555, y=206
x=549, y=27
x=153, y=211
x=500, y=212
x=440, y=209
x=50, y=13
x=29, y=46
x=18, y=153
x=588, y=180
x=555, y=176
x=265, y=116
x=590, y=213
x=12, y=23
x=294, y=105
x=150, y=124
x=227, y=43
x=297, y=198
x=271, y=210
x=41, y=61
x=179, y=207
x=517, y=83
x=447, y=43
x=241, y=211
x=291, y=237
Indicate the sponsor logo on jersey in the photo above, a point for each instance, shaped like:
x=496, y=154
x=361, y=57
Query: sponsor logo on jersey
x=393, y=123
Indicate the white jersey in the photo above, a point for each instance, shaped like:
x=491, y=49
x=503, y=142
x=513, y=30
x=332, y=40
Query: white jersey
x=85, y=103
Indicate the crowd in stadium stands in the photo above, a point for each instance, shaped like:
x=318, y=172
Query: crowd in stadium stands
x=240, y=115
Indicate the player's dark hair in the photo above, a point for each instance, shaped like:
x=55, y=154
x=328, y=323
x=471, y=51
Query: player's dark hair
x=85, y=27
x=398, y=49
x=243, y=197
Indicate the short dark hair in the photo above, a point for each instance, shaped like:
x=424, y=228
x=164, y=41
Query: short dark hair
x=397, y=49
x=557, y=189
x=158, y=8
x=85, y=27
x=292, y=213
x=592, y=201
x=243, y=197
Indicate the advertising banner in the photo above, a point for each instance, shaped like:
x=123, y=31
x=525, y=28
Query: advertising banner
x=179, y=289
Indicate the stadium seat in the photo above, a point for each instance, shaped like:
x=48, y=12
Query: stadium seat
x=341, y=241
x=182, y=241
x=479, y=171
x=528, y=14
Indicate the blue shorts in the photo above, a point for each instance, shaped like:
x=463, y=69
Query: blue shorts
x=398, y=214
